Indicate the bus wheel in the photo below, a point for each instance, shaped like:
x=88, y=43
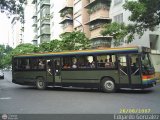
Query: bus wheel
x=40, y=83
x=108, y=85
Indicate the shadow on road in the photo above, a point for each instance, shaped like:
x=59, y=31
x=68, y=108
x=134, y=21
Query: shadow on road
x=73, y=89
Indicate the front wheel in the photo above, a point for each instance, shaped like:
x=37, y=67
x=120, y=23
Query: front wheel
x=108, y=85
x=40, y=83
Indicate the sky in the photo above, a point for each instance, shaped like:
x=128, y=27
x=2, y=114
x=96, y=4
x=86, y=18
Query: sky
x=5, y=28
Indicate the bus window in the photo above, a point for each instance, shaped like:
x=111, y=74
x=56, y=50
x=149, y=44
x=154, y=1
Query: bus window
x=34, y=63
x=86, y=62
x=147, y=67
x=41, y=64
x=106, y=61
x=134, y=63
x=69, y=62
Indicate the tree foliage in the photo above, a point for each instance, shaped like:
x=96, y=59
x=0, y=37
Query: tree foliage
x=13, y=7
x=145, y=15
x=69, y=41
x=52, y=46
x=23, y=49
x=75, y=40
x=5, y=56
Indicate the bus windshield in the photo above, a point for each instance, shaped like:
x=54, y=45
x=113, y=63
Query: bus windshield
x=147, y=66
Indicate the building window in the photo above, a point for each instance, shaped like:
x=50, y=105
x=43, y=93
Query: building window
x=116, y=2
x=118, y=18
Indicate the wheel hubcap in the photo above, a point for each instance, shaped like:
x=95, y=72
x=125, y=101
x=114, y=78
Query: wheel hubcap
x=109, y=85
x=40, y=84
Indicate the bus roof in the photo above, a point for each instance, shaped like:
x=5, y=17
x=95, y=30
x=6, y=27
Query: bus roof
x=84, y=52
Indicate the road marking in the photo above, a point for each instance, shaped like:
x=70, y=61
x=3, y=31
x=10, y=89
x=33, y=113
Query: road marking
x=5, y=98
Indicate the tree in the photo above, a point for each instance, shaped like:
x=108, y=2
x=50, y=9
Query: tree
x=52, y=46
x=145, y=14
x=11, y=7
x=75, y=40
x=24, y=49
x=5, y=57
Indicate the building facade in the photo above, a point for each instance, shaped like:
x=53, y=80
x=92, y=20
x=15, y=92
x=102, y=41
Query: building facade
x=88, y=16
x=17, y=31
x=52, y=18
x=41, y=21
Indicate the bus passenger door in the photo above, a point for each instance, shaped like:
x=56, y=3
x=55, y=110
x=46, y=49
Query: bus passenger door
x=57, y=71
x=124, y=77
x=134, y=61
x=50, y=71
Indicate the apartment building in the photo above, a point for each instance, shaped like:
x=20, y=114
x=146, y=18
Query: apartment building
x=41, y=21
x=17, y=31
x=66, y=14
x=87, y=16
x=28, y=14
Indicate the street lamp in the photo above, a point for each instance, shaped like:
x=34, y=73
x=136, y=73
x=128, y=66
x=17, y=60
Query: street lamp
x=77, y=21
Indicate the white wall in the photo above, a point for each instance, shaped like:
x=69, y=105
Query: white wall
x=28, y=30
x=56, y=28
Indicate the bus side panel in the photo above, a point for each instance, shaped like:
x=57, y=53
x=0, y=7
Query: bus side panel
x=89, y=78
x=136, y=81
x=27, y=77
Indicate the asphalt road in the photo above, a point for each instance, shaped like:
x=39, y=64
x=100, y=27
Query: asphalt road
x=28, y=100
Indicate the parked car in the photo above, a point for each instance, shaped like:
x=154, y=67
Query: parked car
x=1, y=74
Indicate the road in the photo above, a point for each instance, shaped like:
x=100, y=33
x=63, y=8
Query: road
x=28, y=100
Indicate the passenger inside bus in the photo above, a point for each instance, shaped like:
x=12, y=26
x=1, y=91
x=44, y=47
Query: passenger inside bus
x=41, y=64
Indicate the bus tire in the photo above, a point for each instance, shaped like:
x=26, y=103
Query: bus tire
x=108, y=85
x=40, y=83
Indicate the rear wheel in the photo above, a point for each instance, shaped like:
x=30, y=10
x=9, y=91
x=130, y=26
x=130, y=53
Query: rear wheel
x=108, y=85
x=40, y=83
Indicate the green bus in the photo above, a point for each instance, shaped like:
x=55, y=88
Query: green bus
x=108, y=69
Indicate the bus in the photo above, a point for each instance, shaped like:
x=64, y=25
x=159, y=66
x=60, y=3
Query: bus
x=107, y=69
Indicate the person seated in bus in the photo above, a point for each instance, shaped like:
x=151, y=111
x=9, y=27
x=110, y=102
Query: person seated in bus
x=66, y=66
x=74, y=65
x=87, y=64
x=93, y=64
x=135, y=67
x=41, y=65
x=107, y=64
x=27, y=67
x=101, y=64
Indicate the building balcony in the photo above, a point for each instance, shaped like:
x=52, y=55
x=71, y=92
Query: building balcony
x=34, y=24
x=66, y=5
x=66, y=20
x=97, y=23
x=67, y=17
x=93, y=2
x=45, y=21
x=44, y=38
x=67, y=11
x=68, y=28
x=45, y=31
x=100, y=42
x=45, y=3
x=101, y=13
x=96, y=33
